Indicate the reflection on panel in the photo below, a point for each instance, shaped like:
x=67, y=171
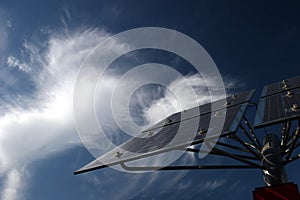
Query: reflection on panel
x=283, y=86
x=181, y=130
x=278, y=108
x=230, y=101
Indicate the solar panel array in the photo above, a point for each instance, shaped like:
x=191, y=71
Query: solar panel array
x=278, y=108
x=230, y=101
x=279, y=102
x=282, y=86
x=160, y=137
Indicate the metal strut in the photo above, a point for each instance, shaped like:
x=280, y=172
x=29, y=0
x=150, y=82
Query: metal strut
x=291, y=159
x=232, y=147
x=221, y=154
x=253, y=143
x=285, y=135
x=193, y=167
x=293, y=144
x=252, y=132
x=215, y=151
x=246, y=145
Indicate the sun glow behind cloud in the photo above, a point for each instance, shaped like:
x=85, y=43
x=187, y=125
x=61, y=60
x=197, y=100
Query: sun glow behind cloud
x=47, y=126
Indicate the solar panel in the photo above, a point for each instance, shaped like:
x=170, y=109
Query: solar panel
x=278, y=108
x=160, y=139
x=282, y=86
x=233, y=100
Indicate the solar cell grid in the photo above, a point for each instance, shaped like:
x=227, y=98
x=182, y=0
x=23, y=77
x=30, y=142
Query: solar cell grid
x=157, y=141
x=232, y=100
x=284, y=85
x=278, y=108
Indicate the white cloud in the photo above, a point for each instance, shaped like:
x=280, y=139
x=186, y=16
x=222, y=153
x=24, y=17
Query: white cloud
x=14, y=62
x=212, y=184
x=12, y=186
x=169, y=102
x=67, y=13
x=3, y=31
x=47, y=128
x=8, y=24
x=28, y=135
x=65, y=18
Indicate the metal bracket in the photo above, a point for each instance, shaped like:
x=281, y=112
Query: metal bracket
x=194, y=167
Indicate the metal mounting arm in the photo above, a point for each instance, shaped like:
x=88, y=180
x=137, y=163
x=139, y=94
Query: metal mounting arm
x=285, y=135
x=293, y=144
x=194, y=167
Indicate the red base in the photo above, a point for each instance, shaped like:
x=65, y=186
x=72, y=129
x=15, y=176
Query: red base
x=288, y=191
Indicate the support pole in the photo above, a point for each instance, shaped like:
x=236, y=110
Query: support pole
x=274, y=172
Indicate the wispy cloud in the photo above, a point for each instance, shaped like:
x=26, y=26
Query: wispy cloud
x=65, y=18
x=14, y=62
x=4, y=26
x=212, y=184
x=67, y=13
x=8, y=24
x=13, y=184
x=47, y=127
x=169, y=103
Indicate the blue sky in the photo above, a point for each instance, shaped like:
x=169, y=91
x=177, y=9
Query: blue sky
x=43, y=43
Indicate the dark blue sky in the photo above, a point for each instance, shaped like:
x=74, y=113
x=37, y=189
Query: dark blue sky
x=241, y=37
x=253, y=43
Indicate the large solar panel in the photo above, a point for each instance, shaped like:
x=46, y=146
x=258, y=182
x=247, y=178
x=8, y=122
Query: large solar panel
x=283, y=86
x=160, y=138
x=278, y=108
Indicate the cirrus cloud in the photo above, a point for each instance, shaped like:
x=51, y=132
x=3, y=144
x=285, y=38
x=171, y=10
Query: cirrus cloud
x=46, y=127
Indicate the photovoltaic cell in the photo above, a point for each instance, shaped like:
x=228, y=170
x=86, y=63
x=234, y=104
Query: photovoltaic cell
x=278, y=108
x=283, y=86
x=233, y=100
x=158, y=139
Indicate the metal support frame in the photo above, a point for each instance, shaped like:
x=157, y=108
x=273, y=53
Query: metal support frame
x=234, y=156
x=252, y=133
x=292, y=159
x=246, y=145
x=274, y=172
x=271, y=156
x=253, y=143
x=194, y=167
x=232, y=147
x=214, y=151
x=253, y=154
x=218, y=153
x=285, y=134
x=292, y=146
